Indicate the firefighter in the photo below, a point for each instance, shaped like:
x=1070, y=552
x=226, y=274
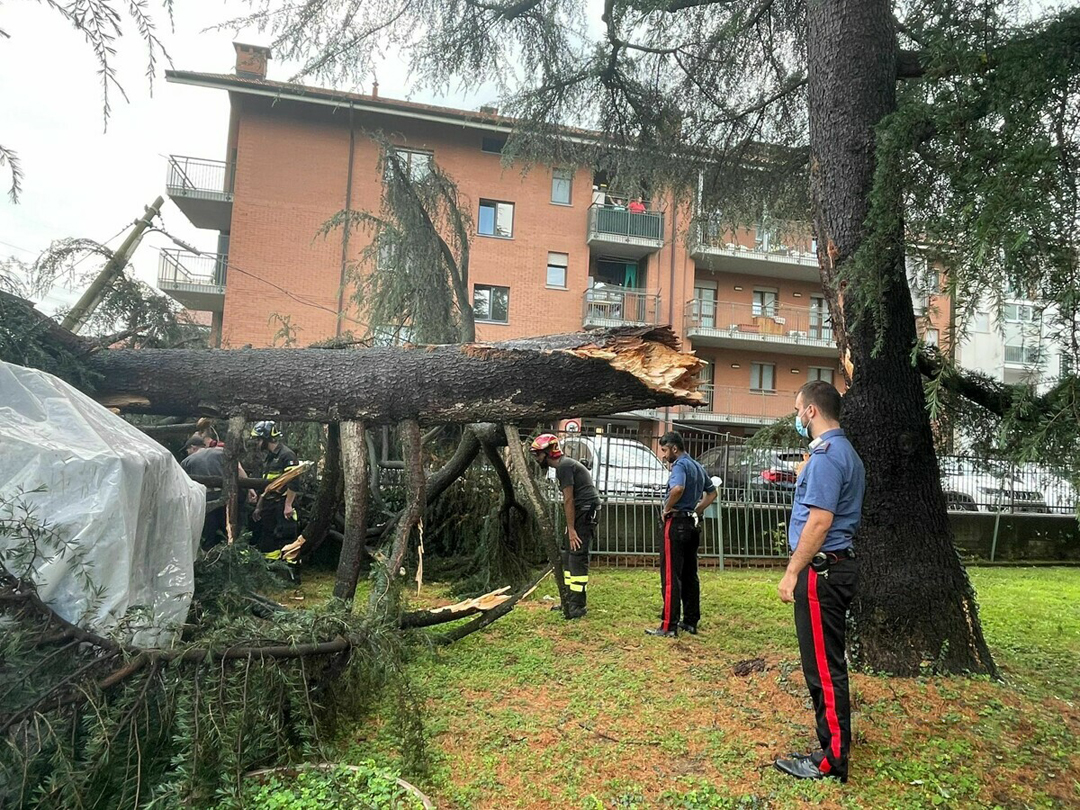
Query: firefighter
x=581, y=503
x=276, y=521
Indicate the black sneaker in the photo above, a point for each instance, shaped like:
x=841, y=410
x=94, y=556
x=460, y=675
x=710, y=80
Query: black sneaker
x=689, y=628
x=659, y=631
x=806, y=769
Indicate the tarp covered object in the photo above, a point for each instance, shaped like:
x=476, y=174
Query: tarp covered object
x=112, y=492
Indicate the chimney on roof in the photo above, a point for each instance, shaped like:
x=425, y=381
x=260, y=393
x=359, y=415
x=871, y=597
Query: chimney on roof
x=251, y=60
x=490, y=109
x=375, y=90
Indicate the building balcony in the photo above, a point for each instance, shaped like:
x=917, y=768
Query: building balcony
x=195, y=280
x=203, y=190
x=739, y=406
x=757, y=327
x=728, y=405
x=607, y=305
x=624, y=234
x=711, y=248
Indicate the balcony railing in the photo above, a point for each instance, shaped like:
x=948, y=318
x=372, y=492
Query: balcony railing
x=606, y=221
x=715, y=238
x=189, y=272
x=765, y=322
x=731, y=404
x=608, y=305
x=196, y=177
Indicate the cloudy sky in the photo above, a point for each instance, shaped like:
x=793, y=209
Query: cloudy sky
x=84, y=180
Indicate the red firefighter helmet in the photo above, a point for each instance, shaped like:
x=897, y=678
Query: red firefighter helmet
x=548, y=442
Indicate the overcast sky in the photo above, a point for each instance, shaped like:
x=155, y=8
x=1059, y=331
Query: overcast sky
x=83, y=180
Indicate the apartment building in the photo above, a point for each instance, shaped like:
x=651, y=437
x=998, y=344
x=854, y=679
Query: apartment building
x=554, y=250
x=1016, y=344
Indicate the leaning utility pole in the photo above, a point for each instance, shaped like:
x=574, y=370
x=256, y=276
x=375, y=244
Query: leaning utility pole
x=89, y=301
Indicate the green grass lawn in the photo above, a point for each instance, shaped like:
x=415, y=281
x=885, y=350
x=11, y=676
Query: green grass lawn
x=535, y=712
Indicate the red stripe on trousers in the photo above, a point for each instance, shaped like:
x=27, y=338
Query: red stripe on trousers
x=823, y=669
x=666, y=626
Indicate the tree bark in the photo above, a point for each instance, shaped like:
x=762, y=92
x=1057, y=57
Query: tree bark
x=354, y=462
x=520, y=469
x=330, y=492
x=230, y=490
x=915, y=607
x=384, y=594
x=585, y=374
x=415, y=483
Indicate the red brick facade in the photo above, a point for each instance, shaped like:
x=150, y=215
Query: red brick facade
x=292, y=174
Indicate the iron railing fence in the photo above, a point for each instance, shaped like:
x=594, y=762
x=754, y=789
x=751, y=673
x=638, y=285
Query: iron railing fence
x=198, y=177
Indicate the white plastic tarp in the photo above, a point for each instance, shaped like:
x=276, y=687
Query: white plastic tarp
x=109, y=490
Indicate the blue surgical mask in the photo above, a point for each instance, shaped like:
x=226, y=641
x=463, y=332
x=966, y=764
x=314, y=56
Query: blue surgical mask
x=802, y=429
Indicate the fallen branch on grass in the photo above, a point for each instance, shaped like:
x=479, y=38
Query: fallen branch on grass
x=460, y=610
x=482, y=621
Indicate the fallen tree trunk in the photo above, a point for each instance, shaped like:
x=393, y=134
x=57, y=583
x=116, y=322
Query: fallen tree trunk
x=585, y=374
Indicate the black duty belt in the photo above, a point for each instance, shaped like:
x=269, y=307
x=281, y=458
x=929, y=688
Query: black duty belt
x=825, y=558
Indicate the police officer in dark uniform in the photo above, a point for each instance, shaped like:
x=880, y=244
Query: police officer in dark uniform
x=276, y=521
x=822, y=575
x=581, y=502
x=690, y=492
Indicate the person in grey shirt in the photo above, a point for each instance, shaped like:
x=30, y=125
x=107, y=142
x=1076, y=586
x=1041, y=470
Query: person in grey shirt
x=209, y=461
x=582, y=504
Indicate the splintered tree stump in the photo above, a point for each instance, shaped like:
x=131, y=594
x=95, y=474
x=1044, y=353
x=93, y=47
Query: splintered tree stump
x=583, y=373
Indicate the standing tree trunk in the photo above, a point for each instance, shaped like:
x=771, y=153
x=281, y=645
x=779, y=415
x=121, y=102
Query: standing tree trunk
x=387, y=586
x=915, y=607
x=330, y=492
x=354, y=462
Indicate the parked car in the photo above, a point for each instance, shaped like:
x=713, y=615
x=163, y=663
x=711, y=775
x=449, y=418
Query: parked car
x=621, y=468
x=987, y=486
x=1057, y=491
x=758, y=474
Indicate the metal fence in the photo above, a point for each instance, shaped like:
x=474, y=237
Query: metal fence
x=767, y=321
x=608, y=305
x=181, y=269
x=608, y=221
x=747, y=524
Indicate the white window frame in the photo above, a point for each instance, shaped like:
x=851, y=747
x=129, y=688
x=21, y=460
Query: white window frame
x=561, y=261
x=497, y=205
x=414, y=159
x=489, y=289
x=568, y=179
x=815, y=372
x=1022, y=313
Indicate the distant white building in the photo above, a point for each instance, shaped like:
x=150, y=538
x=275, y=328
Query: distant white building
x=1018, y=343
